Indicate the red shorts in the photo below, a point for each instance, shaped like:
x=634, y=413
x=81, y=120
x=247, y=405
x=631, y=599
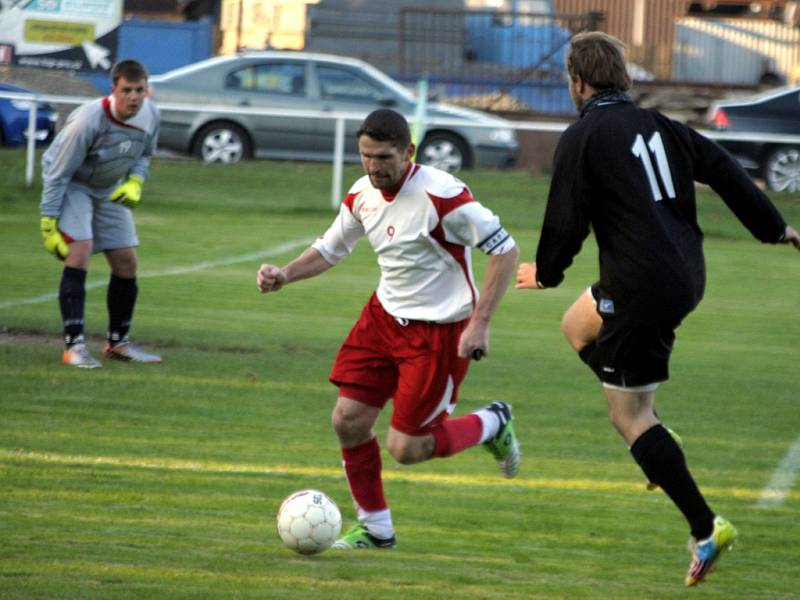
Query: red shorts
x=415, y=363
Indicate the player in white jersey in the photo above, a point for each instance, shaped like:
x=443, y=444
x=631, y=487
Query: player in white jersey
x=414, y=337
x=93, y=174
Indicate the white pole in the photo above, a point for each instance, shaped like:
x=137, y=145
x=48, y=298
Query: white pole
x=418, y=130
x=29, y=155
x=338, y=160
x=637, y=33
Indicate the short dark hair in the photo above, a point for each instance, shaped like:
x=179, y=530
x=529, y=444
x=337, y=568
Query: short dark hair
x=385, y=125
x=129, y=69
x=599, y=60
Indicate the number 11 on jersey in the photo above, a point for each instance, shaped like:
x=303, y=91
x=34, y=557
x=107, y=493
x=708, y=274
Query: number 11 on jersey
x=655, y=147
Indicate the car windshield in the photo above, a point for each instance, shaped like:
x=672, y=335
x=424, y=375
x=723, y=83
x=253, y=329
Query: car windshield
x=387, y=82
x=340, y=84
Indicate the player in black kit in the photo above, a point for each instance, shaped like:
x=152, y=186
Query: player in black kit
x=629, y=174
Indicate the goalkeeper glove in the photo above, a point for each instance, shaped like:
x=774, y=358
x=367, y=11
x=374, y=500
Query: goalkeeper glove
x=129, y=192
x=53, y=241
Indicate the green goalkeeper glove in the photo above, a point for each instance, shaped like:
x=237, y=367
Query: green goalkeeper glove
x=53, y=240
x=129, y=192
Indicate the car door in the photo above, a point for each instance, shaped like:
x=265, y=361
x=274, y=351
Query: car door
x=274, y=84
x=783, y=113
x=778, y=114
x=343, y=88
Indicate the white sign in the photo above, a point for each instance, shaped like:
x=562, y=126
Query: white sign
x=60, y=34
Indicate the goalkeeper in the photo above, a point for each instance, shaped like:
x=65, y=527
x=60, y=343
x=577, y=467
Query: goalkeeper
x=93, y=174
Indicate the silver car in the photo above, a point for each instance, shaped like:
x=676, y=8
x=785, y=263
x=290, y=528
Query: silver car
x=313, y=82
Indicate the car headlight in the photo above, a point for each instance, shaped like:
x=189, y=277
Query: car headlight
x=502, y=136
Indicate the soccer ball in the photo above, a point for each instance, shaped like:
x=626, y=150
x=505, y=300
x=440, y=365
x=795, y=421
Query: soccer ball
x=309, y=521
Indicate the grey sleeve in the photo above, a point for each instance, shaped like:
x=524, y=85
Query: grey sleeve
x=63, y=158
x=142, y=165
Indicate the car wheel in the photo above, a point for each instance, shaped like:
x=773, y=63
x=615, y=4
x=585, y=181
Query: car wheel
x=782, y=169
x=222, y=142
x=444, y=151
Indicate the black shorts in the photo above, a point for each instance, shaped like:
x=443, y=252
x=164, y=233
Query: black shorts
x=629, y=353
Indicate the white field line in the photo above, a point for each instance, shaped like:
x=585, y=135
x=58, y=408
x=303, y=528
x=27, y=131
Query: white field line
x=783, y=478
x=561, y=484
x=222, y=262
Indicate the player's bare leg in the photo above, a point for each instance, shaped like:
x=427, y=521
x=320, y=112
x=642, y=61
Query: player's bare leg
x=581, y=323
x=409, y=449
x=354, y=422
x=631, y=413
x=80, y=251
x=123, y=262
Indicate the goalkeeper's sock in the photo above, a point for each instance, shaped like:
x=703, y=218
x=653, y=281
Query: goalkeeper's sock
x=664, y=463
x=71, y=299
x=121, y=298
x=362, y=466
x=454, y=435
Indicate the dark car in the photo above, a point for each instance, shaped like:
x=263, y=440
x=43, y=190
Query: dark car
x=456, y=137
x=775, y=114
x=14, y=118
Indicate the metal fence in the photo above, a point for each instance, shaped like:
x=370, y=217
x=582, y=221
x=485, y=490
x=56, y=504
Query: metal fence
x=514, y=62
x=492, y=59
x=488, y=59
x=337, y=158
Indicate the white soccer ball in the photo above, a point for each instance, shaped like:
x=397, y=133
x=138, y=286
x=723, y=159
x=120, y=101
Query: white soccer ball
x=309, y=521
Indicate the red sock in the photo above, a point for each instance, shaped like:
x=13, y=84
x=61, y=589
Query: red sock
x=362, y=465
x=455, y=435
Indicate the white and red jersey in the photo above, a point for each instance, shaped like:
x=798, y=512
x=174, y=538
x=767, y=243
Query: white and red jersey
x=423, y=235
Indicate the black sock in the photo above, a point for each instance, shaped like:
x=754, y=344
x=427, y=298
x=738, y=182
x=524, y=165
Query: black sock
x=120, y=299
x=663, y=462
x=71, y=299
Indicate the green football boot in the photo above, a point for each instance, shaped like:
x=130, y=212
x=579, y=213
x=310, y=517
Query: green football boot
x=358, y=538
x=504, y=446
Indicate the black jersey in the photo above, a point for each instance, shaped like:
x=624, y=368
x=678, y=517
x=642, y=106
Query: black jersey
x=628, y=174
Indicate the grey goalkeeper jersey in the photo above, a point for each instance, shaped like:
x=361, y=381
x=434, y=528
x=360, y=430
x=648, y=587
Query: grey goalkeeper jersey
x=97, y=150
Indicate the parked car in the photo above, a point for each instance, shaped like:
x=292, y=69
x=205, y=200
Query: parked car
x=776, y=112
x=14, y=118
x=313, y=82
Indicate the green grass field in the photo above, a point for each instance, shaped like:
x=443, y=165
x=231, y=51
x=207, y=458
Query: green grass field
x=162, y=481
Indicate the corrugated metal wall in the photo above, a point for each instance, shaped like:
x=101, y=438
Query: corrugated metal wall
x=490, y=58
x=664, y=41
x=646, y=26
x=736, y=51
